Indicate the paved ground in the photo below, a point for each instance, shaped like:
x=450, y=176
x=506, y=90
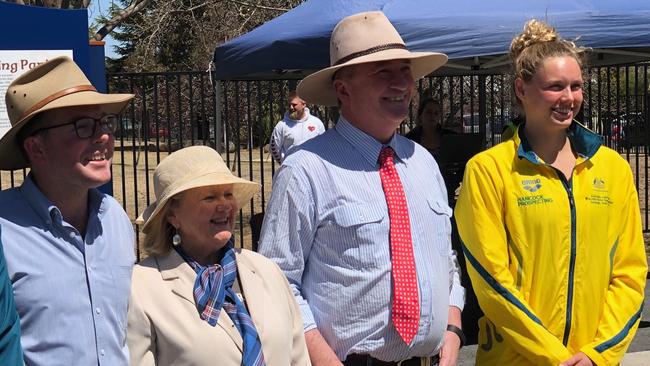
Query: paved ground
x=638, y=353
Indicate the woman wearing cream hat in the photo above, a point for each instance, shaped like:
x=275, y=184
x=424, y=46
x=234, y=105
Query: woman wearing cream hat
x=196, y=300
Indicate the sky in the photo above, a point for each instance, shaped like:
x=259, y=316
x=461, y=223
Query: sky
x=96, y=8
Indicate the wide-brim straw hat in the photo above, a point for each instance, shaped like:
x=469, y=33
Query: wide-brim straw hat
x=188, y=168
x=57, y=83
x=362, y=38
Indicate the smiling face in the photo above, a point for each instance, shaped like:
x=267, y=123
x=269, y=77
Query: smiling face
x=375, y=96
x=205, y=218
x=59, y=156
x=552, y=98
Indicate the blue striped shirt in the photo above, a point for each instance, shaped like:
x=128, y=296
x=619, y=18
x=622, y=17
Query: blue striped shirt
x=327, y=227
x=71, y=292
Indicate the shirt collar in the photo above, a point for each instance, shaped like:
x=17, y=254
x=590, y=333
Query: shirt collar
x=367, y=146
x=584, y=141
x=48, y=211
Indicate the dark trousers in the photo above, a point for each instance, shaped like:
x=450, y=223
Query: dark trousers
x=365, y=360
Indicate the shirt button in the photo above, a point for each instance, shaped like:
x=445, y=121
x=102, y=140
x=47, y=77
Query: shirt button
x=98, y=310
x=71, y=235
x=101, y=352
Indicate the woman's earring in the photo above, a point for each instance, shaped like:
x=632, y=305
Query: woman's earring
x=176, y=239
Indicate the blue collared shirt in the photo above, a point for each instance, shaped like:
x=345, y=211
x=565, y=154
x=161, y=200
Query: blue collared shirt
x=327, y=227
x=71, y=292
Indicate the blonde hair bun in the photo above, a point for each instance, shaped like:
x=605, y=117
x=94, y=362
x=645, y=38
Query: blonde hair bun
x=535, y=31
x=537, y=42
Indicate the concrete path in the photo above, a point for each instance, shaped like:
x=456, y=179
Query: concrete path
x=636, y=359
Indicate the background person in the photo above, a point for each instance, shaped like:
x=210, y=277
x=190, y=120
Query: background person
x=551, y=225
x=358, y=218
x=69, y=247
x=429, y=131
x=297, y=126
x=196, y=300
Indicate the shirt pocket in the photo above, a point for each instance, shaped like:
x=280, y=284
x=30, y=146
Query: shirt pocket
x=359, y=230
x=441, y=224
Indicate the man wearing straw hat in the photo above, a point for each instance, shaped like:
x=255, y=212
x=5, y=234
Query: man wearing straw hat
x=69, y=248
x=358, y=219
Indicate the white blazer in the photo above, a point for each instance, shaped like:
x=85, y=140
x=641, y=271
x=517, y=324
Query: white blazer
x=164, y=327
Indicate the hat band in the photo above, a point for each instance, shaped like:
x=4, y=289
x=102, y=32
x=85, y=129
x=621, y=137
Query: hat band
x=55, y=96
x=383, y=47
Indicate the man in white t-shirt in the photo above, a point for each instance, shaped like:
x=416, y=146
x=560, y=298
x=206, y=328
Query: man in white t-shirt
x=297, y=126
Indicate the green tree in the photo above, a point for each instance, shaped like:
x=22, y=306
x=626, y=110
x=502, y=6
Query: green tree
x=176, y=35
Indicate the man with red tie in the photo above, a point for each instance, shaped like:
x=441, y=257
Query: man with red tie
x=358, y=219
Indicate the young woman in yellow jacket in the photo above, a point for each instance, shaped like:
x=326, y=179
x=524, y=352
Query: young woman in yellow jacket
x=551, y=226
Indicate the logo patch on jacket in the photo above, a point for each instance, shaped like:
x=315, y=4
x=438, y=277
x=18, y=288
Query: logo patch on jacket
x=599, y=184
x=532, y=185
x=600, y=196
x=311, y=128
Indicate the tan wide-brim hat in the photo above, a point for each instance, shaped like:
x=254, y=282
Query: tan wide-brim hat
x=362, y=38
x=57, y=83
x=192, y=167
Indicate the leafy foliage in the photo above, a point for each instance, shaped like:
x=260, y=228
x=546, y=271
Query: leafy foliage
x=178, y=35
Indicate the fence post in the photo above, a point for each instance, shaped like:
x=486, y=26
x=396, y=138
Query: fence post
x=217, y=115
x=482, y=106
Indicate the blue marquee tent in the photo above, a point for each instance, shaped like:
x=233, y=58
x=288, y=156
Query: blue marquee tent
x=474, y=33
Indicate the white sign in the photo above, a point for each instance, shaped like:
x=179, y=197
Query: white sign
x=12, y=65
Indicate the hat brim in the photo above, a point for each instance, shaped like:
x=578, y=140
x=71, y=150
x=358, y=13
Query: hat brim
x=317, y=88
x=243, y=191
x=11, y=153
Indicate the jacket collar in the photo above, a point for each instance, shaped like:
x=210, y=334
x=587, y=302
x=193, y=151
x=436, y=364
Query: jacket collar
x=584, y=141
x=181, y=276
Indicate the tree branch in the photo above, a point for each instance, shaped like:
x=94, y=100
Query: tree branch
x=193, y=8
x=245, y=3
x=112, y=23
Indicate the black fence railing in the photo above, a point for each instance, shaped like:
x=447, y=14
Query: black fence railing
x=172, y=110
x=177, y=109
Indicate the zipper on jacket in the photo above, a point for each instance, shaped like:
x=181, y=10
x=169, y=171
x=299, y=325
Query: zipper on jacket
x=569, y=189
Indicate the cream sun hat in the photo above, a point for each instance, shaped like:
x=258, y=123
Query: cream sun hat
x=192, y=167
x=362, y=38
x=57, y=83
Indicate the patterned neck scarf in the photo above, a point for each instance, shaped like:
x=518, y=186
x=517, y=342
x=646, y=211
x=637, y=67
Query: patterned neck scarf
x=213, y=291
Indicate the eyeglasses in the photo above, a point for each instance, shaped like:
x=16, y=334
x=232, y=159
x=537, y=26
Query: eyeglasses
x=86, y=127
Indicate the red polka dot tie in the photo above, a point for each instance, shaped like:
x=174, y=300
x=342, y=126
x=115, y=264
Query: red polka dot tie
x=406, y=305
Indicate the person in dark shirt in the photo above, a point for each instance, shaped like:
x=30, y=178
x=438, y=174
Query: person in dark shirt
x=429, y=130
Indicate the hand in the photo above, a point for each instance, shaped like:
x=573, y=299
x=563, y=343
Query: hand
x=457, y=191
x=579, y=359
x=320, y=353
x=450, y=347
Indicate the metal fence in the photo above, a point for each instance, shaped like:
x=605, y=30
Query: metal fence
x=173, y=110
x=177, y=109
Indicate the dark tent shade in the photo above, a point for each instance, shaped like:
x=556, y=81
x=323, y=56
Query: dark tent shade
x=475, y=34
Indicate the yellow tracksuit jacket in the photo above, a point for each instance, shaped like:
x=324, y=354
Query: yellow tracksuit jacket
x=558, y=265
